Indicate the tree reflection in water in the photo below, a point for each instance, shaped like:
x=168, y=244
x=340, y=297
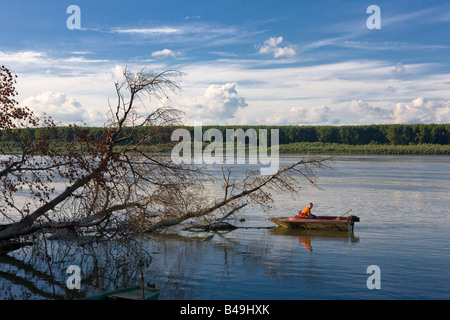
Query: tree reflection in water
x=182, y=266
x=105, y=266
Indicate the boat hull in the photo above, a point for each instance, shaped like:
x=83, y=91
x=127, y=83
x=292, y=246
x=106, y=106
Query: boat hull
x=320, y=223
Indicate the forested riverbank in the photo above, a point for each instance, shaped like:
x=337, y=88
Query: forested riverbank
x=414, y=139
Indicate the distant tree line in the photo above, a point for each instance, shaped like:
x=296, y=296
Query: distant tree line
x=392, y=134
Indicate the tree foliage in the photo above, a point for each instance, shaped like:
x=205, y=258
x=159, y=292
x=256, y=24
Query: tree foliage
x=391, y=134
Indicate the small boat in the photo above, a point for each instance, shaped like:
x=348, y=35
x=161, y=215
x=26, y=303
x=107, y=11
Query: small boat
x=132, y=293
x=320, y=223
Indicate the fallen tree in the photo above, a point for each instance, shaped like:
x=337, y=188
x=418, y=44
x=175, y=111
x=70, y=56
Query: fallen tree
x=87, y=186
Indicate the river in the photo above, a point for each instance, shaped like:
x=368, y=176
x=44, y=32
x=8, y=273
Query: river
x=404, y=208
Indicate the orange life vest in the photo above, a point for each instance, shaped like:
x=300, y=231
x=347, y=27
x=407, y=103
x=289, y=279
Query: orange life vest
x=305, y=213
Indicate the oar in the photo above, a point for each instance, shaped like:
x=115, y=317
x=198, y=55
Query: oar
x=344, y=214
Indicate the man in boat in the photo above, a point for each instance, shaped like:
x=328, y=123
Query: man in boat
x=306, y=213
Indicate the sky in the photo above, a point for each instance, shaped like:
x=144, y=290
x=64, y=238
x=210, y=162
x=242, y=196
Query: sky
x=245, y=62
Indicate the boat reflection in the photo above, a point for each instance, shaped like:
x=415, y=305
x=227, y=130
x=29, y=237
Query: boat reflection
x=306, y=237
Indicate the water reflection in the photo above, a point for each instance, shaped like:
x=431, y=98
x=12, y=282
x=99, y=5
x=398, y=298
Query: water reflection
x=21, y=275
x=276, y=263
x=306, y=237
x=183, y=266
x=36, y=273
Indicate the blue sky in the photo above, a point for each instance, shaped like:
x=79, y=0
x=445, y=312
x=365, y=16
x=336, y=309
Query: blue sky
x=246, y=62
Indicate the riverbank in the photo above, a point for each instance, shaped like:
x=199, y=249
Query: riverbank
x=425, y=149
x=337, y=149
x=374, y=149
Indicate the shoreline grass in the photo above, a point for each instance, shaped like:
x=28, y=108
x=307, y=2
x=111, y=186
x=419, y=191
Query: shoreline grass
x=373, y=149
x=336, y=149
x=301, y=148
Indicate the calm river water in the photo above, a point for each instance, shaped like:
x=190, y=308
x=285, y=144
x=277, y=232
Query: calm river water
x=404, y=206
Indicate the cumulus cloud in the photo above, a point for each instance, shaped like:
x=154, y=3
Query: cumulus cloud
x=218, y=103
x=421, y=111
x=367, y=113
x=165, y=53
x=318, y=115
x=272, y=45
x=418, y=110
x=117, y=72
x=60, y=107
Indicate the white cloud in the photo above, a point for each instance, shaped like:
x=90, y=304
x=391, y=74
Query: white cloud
x=23, y=57
x=117, y=72
x=218, y=103
x=272, y=46
x=318, y=115
x=166, y=53
x=354, y=91
x=148, y=31
x=82, y=60
x=366, y=113
x=60, y=107
x=421, y=111
x=192, y=33
x=81, y=52
x=359, y=112
x=42, y=59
